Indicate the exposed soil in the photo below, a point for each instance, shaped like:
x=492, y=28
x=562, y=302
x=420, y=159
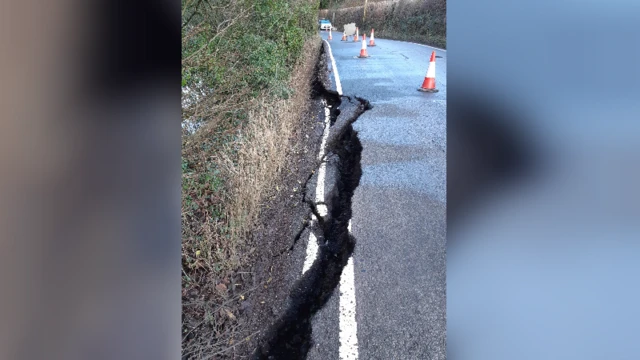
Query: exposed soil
x=222, y=309
x=290, y=336
x=269, y=306
x=281, y=223
x=301, y=296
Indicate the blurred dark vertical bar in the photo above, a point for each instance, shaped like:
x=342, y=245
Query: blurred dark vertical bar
x=90, y=195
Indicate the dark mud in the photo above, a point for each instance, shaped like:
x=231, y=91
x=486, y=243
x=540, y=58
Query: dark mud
x=282, y=222
x=283, y=303
x=290, y=336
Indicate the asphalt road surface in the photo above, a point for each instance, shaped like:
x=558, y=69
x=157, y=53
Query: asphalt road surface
x=399, y=210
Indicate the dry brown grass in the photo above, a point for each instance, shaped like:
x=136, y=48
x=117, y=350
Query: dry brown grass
x=263, y=145
x=356, y=3
x=224, y=188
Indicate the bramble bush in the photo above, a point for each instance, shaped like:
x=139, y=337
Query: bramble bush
x=231, y=46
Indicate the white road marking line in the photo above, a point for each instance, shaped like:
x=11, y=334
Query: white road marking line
x=348, y=337
x=325, y=134
x=429, y=46
x=348, y=349
x=335, y=70
x=312, y=250
x=322, y=209
x=312, y=245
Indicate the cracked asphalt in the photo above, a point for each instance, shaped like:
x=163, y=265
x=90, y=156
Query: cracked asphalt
x=399, y=209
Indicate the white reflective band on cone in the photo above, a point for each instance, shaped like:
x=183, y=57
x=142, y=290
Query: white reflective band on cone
x=431, y=71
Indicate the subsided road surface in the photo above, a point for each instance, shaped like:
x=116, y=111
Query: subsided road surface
x=392, y=297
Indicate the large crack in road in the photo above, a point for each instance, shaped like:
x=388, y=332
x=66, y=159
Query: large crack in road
x=290, y=336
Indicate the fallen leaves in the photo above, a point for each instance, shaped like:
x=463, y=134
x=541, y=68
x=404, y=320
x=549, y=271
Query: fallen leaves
x=230, y=314
x=222, y=288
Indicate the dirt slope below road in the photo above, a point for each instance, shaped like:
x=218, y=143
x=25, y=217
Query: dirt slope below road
x=285, y=300
x=219, y=302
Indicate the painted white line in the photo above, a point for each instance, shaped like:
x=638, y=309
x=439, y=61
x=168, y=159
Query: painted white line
x=322, y=208
x=348, y=349
x=325, y=134
x=348, y=336
x=335, y=70
x=429, y=46
x=312, y=244
x=312, y=250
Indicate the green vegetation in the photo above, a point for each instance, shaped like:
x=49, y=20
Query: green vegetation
x=244, y=88
x=409, y=20
x=243, y=46
x=233, y=52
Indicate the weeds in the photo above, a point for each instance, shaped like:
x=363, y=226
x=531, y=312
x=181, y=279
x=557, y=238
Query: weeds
x=245, y=87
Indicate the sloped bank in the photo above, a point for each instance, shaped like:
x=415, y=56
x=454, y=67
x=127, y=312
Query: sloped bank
x=289, y=335
x=231, y=186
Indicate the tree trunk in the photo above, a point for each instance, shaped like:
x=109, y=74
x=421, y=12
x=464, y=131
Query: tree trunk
x=364, y=13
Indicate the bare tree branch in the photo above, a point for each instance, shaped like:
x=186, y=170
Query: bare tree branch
x=230, y=22
x=195, y=11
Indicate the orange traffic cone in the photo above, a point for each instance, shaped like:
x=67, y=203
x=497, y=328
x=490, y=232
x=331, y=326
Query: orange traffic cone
x=356, y=36
x=429, y=83
x=330, y=38
x=363, y=50
x=371, y=42
x=344, y=37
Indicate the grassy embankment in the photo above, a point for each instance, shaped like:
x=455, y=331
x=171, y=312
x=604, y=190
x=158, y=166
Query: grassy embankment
x=246, y=67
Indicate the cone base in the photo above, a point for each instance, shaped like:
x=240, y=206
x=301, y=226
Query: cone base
x=428, y=90
x=370, y=45
x=362, y=57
